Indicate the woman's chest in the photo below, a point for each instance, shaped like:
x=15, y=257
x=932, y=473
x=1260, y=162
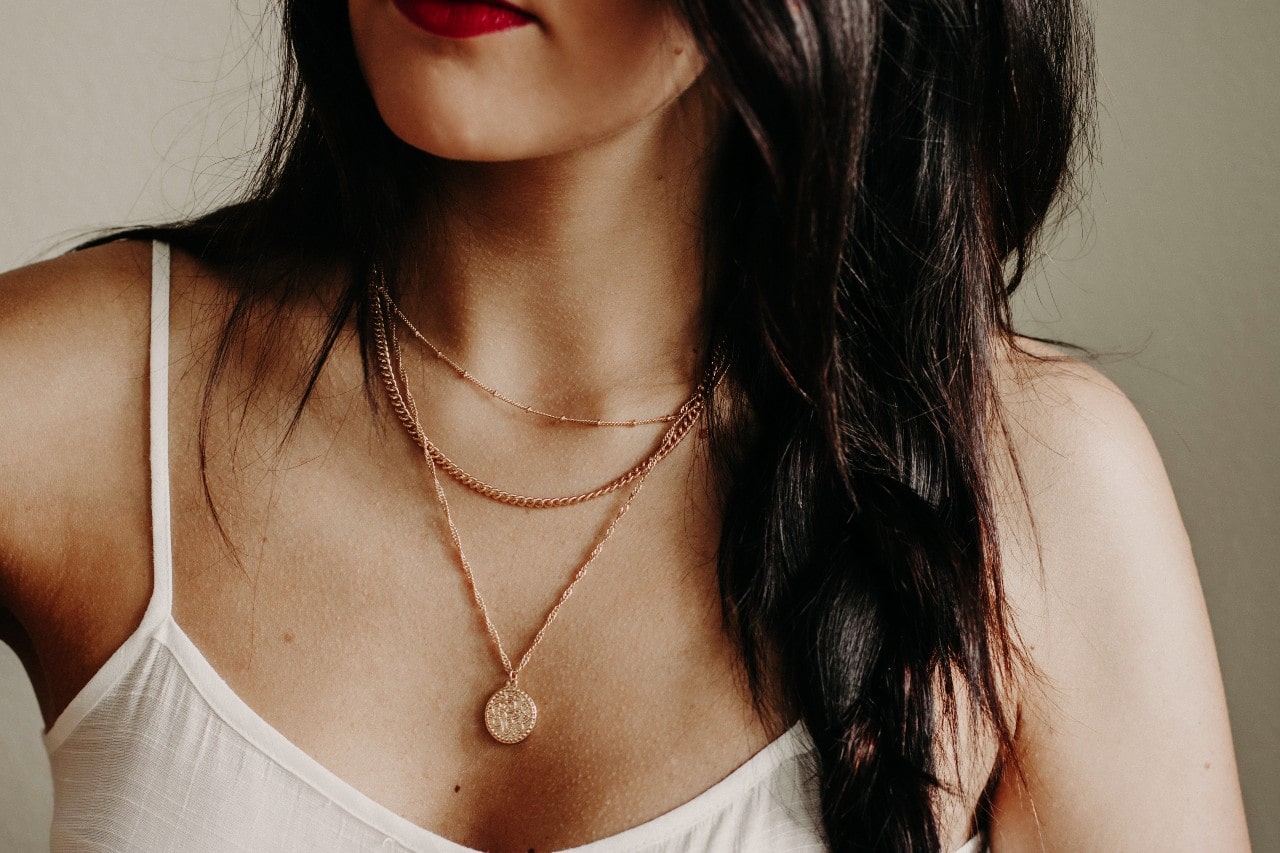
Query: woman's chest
x=348, y=624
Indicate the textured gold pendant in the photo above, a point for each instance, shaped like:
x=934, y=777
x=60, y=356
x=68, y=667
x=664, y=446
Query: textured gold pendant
x=510, y=714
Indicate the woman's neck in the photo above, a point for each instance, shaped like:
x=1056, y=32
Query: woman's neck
x=579, y=276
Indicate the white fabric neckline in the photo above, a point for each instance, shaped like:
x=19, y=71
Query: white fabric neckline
x=270, y=741
x=234, y=712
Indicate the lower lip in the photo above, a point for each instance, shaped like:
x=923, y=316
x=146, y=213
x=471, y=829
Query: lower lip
x=457, y=19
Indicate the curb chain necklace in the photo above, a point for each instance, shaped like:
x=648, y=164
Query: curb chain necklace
x=510, y=713
x=387, y=312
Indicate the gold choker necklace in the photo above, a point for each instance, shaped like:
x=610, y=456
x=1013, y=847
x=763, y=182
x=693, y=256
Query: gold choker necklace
x=466, y=375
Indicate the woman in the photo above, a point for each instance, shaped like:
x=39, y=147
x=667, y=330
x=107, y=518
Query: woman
x=601, y=424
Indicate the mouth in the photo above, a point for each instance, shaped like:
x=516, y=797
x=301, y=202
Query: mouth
x=463, y=19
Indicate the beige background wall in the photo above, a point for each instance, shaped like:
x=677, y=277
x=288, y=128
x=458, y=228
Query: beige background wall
x=126, y=111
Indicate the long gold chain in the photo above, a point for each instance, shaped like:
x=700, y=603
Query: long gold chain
x=510, y=713
x=687, y=415
x=513, y=671
x=466, y=375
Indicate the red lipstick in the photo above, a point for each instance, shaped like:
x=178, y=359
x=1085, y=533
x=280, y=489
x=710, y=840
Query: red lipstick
x=462, y=19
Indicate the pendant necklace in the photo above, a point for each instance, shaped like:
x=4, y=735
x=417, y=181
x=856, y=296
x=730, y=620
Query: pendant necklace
x=510, y=714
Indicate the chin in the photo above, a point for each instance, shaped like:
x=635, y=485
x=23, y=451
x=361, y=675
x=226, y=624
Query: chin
x=480, y=143
x=465, y=141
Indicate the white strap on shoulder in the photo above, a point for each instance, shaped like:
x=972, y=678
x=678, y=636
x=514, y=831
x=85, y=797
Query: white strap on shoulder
x=161, y=528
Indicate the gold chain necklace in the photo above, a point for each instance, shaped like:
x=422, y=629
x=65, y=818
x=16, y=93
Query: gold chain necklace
x=466, y=375
x=510, y=713
x=494, y=493
x=385, y=312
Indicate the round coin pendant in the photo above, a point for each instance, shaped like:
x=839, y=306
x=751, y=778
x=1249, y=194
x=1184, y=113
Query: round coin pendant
x=509, y=715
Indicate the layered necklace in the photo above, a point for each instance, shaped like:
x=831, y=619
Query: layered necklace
x=510, y=714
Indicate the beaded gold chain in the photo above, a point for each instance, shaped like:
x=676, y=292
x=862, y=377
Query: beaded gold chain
x=467, y=376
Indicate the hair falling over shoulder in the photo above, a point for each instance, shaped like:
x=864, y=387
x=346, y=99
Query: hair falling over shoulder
x=884, y=174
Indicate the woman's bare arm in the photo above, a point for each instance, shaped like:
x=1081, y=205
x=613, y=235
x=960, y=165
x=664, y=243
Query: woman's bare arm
x=73, y=475
x=1123, y=739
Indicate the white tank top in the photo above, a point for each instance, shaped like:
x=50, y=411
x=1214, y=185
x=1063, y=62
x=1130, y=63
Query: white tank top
x=157, y=753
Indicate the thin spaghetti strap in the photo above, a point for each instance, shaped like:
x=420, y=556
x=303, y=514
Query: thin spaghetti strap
x=160, y=607
x=161, y=603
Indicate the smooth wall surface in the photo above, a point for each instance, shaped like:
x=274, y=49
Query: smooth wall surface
x=129, y=111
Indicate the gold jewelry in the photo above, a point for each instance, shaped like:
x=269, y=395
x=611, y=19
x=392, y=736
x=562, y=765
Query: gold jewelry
x=510, y=713
x=678, y=429
x=664, y=446
x=498, y=395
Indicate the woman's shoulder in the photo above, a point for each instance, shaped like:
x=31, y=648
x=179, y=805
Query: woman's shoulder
x=73, y=315
x=81, y=292
x=1087, y=518
x=1124, y=714
x=74, y=331
x=73, y=356
x=74, y=334
x=1081, y=492
x=1061, y=404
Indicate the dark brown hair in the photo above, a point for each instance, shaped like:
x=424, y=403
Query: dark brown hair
x=884, y=174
